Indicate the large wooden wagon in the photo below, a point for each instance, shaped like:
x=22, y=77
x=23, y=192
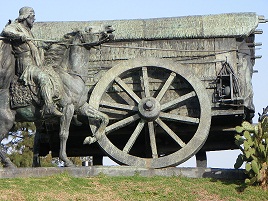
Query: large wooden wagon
x=172, y=87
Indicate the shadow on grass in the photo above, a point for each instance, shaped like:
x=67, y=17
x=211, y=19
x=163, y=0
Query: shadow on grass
x=240, y=184
x=228, y=177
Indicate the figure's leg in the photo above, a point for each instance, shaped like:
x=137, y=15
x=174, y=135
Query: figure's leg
x=47, y=94
x=42, y=79
x=65, y=122
x=91, y=112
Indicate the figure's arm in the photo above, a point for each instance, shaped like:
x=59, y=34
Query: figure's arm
x=12, y=33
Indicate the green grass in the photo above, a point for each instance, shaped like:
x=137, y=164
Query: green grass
x=65, y=187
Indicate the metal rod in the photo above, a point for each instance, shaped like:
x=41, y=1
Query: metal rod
x=262, y=19
x=254, y=44
x=3, y=38
x=258, y=31
x=257, y=57
x=34, y=39
x=175, y=50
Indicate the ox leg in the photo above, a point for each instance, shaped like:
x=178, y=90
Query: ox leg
x=91, y=112
x=36, y=159
x=65, y=122
x=6, y=161
x=7, y=119
x=36, y=147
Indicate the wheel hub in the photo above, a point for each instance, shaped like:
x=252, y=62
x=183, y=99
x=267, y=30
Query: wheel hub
x=149, y=108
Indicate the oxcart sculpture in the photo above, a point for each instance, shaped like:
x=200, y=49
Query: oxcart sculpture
x=171, y=87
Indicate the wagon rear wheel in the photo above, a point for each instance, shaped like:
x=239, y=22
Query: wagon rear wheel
x=159, y=113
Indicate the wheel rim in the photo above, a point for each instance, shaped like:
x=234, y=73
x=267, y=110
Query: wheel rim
x=152, y=108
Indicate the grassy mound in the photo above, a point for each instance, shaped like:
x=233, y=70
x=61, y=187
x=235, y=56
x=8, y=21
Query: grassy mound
x=65, y=187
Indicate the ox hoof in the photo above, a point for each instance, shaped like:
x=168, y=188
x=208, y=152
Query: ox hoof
x=89, y=140
x=69, y=164
x=9, y=164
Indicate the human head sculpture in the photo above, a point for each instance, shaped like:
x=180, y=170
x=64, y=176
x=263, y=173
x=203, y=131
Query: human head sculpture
x=27, y=14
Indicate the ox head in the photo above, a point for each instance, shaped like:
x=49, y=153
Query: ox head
x=94, y=36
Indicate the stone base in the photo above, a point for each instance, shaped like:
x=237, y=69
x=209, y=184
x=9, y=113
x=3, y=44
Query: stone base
x=90, y=171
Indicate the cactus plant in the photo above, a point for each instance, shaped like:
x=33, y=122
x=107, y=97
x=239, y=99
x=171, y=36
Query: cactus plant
x=252, y=140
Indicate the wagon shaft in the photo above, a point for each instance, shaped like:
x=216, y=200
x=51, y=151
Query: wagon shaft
x=172, y=87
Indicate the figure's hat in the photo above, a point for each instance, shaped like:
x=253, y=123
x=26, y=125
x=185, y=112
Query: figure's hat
x=25, y=12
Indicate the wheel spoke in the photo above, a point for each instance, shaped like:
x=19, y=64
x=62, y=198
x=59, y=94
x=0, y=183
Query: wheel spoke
x=180, y=118
x=174, y=102
x=145, y=81
x=121, y=123
x=129, y=91
x=170, y=132
x=119, y=106
x=166, y=86
x=152, y=139
x=134, y=136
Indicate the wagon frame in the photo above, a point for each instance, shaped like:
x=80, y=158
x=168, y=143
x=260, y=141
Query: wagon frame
x=172, y=87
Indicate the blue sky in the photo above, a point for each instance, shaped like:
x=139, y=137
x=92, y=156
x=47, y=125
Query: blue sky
x=85, y=10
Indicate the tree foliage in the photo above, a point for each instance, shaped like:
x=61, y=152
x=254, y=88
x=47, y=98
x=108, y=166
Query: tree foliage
x=19, y=147
x=19, y=144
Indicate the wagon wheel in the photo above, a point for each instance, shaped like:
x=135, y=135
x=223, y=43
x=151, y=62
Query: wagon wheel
x=159, y=112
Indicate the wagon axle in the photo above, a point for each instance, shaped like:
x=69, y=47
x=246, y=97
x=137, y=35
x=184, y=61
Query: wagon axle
x=149, y=109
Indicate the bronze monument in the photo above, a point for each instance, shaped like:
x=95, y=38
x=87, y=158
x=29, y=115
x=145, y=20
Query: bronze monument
x=161, y=95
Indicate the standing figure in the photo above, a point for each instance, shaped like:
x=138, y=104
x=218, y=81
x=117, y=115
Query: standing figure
x=29, y=59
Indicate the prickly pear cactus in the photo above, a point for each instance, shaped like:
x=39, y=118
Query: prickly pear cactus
x=253, y=142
